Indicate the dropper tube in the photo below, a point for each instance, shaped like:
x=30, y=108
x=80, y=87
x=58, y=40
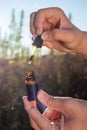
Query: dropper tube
x=32, y=55
x=37, y=43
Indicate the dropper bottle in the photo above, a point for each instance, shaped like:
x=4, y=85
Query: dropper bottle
x=37, y=43
x=32, y=90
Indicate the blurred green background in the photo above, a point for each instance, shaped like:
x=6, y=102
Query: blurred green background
x=58, y=74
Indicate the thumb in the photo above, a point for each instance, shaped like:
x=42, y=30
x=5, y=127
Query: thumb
x=63, y=104
x=64, y=35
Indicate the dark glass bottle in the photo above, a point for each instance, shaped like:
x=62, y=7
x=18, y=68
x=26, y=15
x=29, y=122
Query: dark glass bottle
x=32, y=90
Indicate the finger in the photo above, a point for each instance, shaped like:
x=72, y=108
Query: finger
x=65, y=105
x=38, y=23
x=32, y=28
x=29, y=105
x=48, y=44
x=41, y=121
x=56, y=45
x=33, y=124
x=55, y=126
x=41, y=16
x=62, y=122
x=43, y=25
x=50, y=113
x=58, y=35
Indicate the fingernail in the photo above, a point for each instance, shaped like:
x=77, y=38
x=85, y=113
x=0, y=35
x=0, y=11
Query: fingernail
x=44, y=36
x=24, y=97
x=34, y=36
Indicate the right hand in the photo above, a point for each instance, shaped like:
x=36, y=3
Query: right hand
x=74, y=113
x=55, y=29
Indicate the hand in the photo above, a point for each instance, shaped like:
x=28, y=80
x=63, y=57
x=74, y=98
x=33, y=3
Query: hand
x=57, y=31
x=73, y=117
x=48, y=120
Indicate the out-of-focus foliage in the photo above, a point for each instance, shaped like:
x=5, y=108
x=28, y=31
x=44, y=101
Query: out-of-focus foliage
x=58, y=74
x=11, y=44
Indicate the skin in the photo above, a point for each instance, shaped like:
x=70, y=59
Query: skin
x=57, y=31
x=73, y=113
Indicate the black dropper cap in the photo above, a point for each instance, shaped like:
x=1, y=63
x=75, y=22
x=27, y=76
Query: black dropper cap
x=38, y=42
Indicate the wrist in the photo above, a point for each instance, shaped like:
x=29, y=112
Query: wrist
x=82, y=48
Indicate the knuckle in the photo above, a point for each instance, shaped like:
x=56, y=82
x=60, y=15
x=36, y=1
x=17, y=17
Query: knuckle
x=32, y=14
x=40, y=11
x=69, y=102
x=59, y=9
x=50, y=100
